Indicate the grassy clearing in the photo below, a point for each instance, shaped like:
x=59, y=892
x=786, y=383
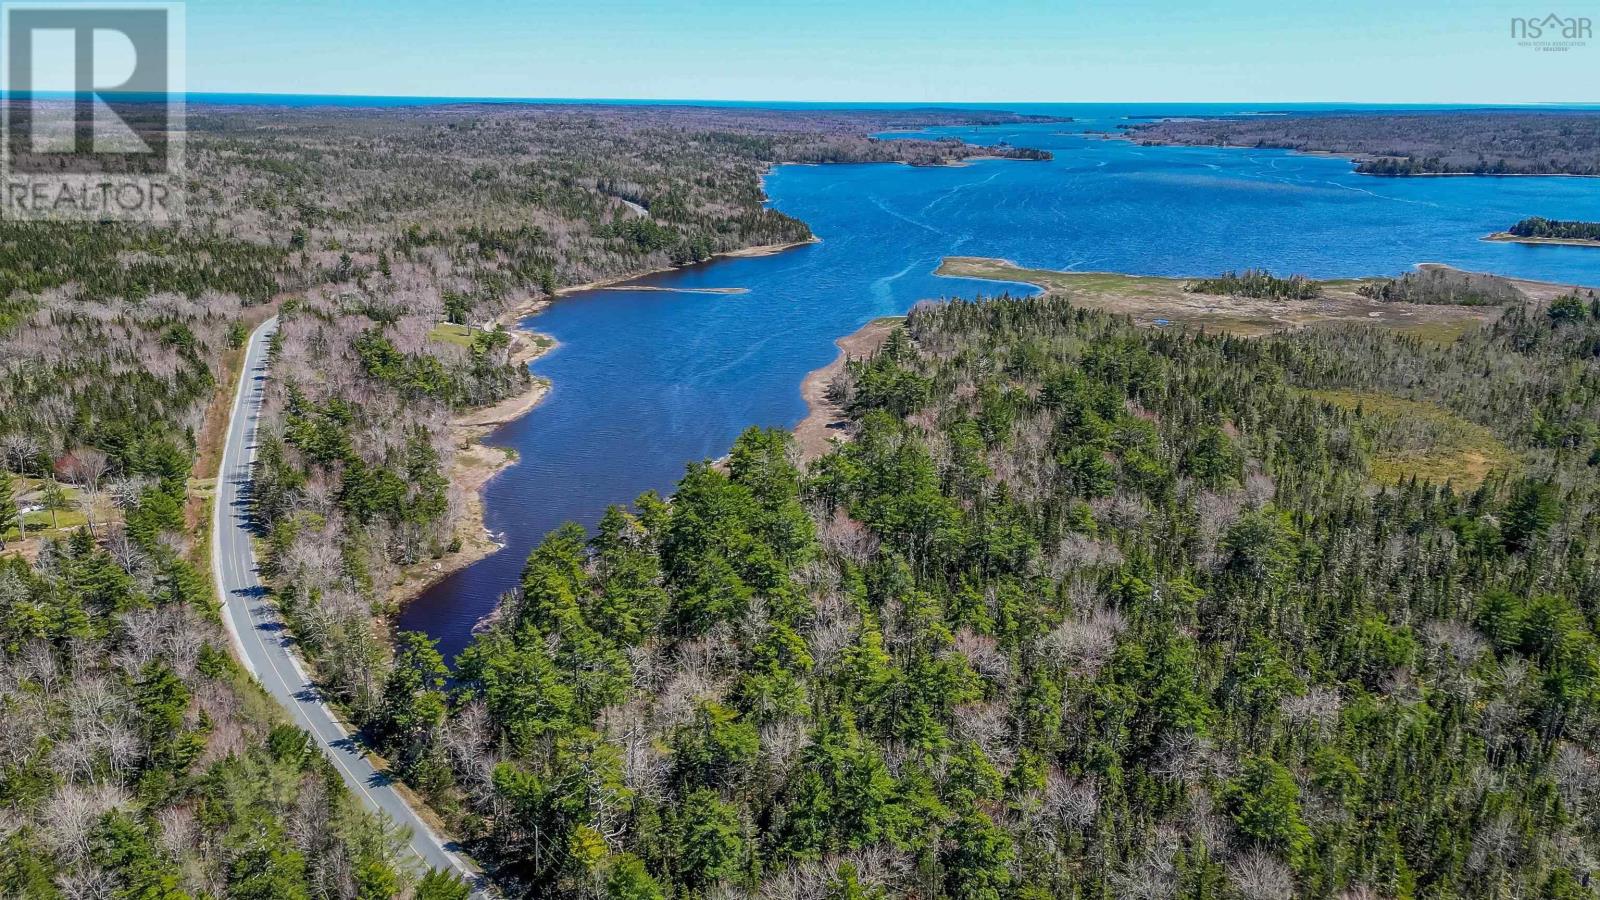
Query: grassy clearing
x=1424, y=440
x=45, y=524
x=451, y=333
x=1447, y=332
x=464, y=335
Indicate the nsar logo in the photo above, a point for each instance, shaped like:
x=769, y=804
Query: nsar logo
x=1552, y=32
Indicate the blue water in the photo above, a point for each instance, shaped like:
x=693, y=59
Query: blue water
x=644, y=382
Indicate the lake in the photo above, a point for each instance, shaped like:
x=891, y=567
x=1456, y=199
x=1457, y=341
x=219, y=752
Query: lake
x=647, y=381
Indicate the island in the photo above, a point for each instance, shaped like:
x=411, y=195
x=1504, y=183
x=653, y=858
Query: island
x=1539, y=230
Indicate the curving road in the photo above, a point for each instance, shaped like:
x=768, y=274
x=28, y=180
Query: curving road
x=261, y=640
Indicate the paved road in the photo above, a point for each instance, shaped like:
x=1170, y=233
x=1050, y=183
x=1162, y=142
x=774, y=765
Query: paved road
x=262, y=642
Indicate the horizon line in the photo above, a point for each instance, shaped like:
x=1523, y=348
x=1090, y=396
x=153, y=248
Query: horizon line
x=439, y=99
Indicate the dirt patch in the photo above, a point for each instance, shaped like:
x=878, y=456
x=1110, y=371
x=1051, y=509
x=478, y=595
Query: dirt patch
x=767, y=249
x=825, y=420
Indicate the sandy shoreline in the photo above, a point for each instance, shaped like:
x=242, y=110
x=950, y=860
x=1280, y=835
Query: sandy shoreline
x=825, y=420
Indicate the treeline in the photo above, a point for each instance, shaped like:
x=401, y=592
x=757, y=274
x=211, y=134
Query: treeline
x=1257, y=283
x=107, y=262
x=1540, y=227
x=1083, y=610
x=1400, y=166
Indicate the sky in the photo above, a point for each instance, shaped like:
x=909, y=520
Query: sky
x=1367, y=51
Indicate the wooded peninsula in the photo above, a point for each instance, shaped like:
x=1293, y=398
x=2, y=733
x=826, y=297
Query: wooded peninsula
x=1470, y=142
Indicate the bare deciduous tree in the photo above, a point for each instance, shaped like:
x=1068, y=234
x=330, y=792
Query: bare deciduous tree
x=1261, y=876
x=86, y=467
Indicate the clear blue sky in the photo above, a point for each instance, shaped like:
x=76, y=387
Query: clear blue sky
x=899, y=50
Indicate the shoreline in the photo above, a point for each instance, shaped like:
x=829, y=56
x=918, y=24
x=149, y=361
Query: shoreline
x=1540, y=291
x=955, y=260
x=657, y=289
x=477, y=463
x=621, y=280
x=814, y=434
x=1506, y=237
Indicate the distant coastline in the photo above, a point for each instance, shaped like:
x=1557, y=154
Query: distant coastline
x=1480, y=143
x=1356, y=158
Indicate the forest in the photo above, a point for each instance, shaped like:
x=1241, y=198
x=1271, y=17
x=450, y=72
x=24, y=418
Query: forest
x=114, y=340
x=138, y=760
x=534, y=197
x=354, y=485
x=1477, y=142
x=1081, y=610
